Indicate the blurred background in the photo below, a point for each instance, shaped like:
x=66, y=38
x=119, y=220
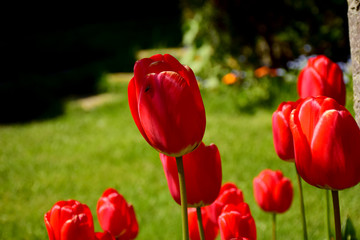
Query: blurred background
x=66, y=131
x=54, y=51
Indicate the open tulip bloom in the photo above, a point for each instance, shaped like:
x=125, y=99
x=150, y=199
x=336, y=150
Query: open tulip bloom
x=326, y=142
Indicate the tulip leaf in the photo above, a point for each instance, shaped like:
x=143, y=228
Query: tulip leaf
x=348, y=230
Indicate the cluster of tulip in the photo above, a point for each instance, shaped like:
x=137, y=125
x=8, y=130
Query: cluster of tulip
x=167, y=107
x=316, y=132
x=319, y=134
x=72, y=220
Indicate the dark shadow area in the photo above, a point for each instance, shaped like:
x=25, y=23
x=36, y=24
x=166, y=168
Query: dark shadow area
x=54, y=52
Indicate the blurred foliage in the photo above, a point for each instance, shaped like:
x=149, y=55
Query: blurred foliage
x=262, y=32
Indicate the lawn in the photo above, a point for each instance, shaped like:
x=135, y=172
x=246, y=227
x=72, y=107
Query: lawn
x=81, y=153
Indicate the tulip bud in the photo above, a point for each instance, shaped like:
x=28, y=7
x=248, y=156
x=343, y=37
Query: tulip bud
x=273, y=192
x=322, y=77
x=229, y=194
x=283, y=139
x=236, y=222
x=203, y=175
x=166, y=105
x=116, y=216
x=69, y=220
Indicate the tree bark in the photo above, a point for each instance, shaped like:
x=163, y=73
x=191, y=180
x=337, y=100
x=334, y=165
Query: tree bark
x=354, y=35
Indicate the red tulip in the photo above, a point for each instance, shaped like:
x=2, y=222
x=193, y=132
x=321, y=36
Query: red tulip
x=229, y=194
x=273, y=192
x=236, y=222
x=322, y=77
x=203, y=175
x=166, y=105
x=69, y=220
x=327, y=143
x=283, y=139
x=104, y=236
x=210, y=229
x=116, y=216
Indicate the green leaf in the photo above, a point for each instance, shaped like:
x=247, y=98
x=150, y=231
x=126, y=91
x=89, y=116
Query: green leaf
x=348, y=230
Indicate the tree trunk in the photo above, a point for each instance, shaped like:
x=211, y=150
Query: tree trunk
x=354, y=35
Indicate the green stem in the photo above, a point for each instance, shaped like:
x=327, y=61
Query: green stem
x=328, y=225
x=335, y=197
x=274, y=226
x=200, y=223
x=302, y=206
x=184, y=214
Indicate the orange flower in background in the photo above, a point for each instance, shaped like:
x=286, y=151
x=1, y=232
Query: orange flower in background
x=264, y=71
x=229, y=78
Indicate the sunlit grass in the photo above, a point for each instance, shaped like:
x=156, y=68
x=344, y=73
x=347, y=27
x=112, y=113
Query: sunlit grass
x=83, y=152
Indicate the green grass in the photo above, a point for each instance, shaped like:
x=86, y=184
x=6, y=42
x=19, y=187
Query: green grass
x=81, y=153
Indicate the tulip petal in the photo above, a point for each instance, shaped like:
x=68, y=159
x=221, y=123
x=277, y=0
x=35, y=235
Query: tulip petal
x=167, y=115
x=283, y=195
x=310, y=83
x=283, y=139
x=77, y=229
x=335, y=150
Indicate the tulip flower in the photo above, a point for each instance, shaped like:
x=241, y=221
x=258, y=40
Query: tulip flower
x=203, y=175
x=229, y=194
x=166, y=105
x=322, y=77
x=69, y=220
x=116, y=216
x=326, y=140
x=283, y=140
x=236, y=222
x=273, y=192
x=104, y=236
x=210, y=228
x=284, y=146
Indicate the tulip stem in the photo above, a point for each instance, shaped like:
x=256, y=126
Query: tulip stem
x=335, y=198
x=183, y=198
x=200, y=223
x=302, y=206
x=328, y=225
x=274, y=226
